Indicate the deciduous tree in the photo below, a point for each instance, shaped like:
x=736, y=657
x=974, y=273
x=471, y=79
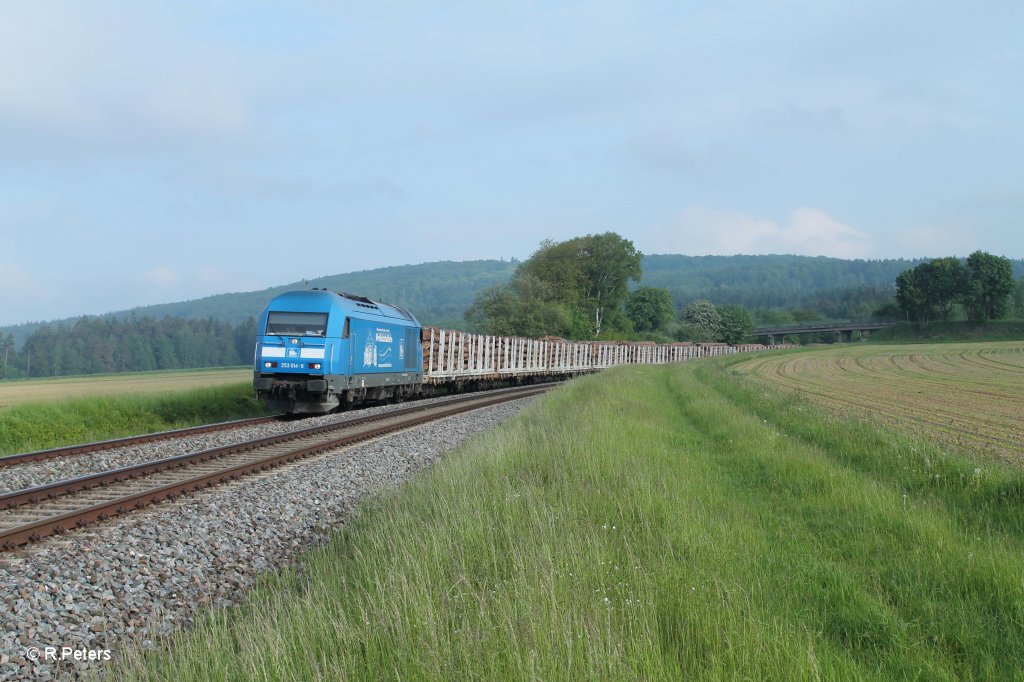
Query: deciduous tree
x=703, y=319
x=912, y=295
x=1018, y=300
x=736, y=323
x=946, y=283
x=582, y=280
x=7, y=347
x=989, y=285
x=524, y=307
x=650, y=309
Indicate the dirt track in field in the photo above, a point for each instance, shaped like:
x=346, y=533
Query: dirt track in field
x=970, y=395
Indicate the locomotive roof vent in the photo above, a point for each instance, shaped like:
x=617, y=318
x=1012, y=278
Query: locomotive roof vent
x=361, y=301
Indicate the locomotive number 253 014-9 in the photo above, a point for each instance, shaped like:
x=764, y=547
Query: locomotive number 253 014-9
x=292, y=365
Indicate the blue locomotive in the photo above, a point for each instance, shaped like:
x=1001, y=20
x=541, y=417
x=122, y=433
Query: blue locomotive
x=317, y=350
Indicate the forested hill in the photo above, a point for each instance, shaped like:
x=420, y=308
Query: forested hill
x=440, y=292
x=770, y=281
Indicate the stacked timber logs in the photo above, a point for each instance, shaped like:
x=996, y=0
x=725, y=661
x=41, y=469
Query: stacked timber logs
x=454, y=355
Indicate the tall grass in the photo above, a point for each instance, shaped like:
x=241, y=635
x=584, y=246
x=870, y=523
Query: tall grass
x=38, y=426
x=649, y=523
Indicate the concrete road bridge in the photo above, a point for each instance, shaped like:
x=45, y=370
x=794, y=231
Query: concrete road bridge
x=842, y=330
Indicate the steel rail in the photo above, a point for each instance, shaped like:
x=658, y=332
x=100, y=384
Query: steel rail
x=99, y=446
x=56, y=489
x=16, y=536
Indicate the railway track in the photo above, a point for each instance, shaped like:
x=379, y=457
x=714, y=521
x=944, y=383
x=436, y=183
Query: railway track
x=99, y=446
x=34, y=513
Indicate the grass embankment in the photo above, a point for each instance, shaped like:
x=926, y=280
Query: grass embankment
x=37, y=426
x=652, y=523
x=947, y=332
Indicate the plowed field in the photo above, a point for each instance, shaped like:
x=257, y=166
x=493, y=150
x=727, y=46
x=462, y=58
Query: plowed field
x=970, y=395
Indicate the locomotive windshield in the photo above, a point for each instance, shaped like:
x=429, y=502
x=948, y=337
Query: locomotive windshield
x=297, y=324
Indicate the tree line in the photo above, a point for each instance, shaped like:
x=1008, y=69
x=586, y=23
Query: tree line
x=769, y=286
x=982, y=285
x=582, y=288
x=579, y=289
x=95, y=345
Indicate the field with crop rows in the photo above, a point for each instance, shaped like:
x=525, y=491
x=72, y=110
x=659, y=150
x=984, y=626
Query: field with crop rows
x=968, y=395
x=134, y=383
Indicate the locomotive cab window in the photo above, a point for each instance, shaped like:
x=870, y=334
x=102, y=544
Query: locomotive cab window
x=297, y=324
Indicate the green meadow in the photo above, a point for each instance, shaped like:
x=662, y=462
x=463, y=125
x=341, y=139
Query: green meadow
x=662, y=522
x=37, y=425
x=51, y=389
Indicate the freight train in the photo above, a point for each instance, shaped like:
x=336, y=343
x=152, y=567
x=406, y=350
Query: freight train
x=319, y=351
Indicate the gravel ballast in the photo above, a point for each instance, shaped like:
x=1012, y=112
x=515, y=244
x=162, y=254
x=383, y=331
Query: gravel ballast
x=32, y=474
x=139, y=577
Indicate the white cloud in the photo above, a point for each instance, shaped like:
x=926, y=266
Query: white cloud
x=53, y=53
x=163, y=277
x=204, y=109
x=99, y=75
x=807, y=232
x=934, y=241
x=209, y=274
x=17, y=284
x=813, y=232
x=22, y=296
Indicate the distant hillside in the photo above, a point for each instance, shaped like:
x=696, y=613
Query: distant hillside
x=440, y=292
x=767, y=281
x=831, y=287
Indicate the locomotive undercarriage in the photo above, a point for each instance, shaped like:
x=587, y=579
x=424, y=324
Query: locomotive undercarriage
x=318, y=394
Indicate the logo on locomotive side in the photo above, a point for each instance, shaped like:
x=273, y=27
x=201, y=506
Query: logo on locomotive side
x=370, y=353
x=374, y=357
x=384, y=354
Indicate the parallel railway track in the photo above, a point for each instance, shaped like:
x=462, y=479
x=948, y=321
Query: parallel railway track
x=34, y=513
x=100, y=446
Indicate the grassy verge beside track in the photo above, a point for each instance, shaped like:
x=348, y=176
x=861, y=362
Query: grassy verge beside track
x=652, y=523
x=38, y=426
x=50, y=389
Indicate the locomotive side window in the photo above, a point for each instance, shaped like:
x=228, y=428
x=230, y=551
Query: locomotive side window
x=297, y=324
x=347, y=331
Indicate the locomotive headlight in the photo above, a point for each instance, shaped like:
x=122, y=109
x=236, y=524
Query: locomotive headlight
x=314, y=365
x=266, y=364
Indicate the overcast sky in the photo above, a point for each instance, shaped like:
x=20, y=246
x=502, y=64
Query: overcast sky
x=154, y=152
